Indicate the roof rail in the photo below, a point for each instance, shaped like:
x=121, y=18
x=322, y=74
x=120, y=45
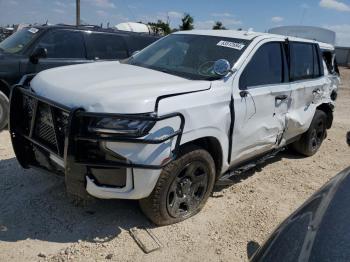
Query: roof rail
x=90, y=26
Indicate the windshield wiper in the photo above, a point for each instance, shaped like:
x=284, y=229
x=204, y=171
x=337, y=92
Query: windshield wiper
x=212, y=78
x=164, y=70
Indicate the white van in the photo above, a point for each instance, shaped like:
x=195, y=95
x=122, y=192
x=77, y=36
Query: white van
x=165, y=125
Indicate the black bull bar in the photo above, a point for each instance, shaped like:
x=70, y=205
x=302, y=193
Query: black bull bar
x=74, y=169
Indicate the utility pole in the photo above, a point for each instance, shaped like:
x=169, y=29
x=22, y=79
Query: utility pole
x=167, y=18
x=78, y=12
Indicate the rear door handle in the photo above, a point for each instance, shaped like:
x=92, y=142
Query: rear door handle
x=281, y=97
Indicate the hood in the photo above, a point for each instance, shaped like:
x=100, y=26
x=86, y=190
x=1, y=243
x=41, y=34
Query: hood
x=110, y=87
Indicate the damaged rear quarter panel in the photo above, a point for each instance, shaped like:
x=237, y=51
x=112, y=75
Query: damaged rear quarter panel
x=306, y=96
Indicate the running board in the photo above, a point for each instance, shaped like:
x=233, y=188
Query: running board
x=226, y=179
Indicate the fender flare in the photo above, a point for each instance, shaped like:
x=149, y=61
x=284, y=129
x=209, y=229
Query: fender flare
x=209, y=132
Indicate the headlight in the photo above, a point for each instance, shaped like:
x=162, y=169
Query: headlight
x=121, y=126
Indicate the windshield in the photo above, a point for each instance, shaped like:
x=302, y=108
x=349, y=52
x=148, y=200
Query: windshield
x=19, y=40
x=189, y=56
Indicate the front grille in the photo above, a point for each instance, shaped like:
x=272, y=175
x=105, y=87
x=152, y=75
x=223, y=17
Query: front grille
x=28, y=110
x=44, y=126
x=49, y=126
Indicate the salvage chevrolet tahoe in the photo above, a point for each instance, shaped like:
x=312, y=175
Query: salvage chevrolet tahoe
x=164, y=126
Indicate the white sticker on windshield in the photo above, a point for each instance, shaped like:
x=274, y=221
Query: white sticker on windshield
x=33, y=30
x=229, y=44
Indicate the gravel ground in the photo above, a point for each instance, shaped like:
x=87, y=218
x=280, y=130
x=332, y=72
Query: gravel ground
x=38, y=222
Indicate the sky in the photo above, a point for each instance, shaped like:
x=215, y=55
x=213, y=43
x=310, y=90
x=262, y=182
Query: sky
x=260, y=15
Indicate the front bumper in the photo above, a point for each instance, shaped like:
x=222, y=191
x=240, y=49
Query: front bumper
x=70, y=151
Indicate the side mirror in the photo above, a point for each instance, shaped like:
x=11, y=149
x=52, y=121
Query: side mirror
x=222, y=67
x=348, y=138
x=37, y=54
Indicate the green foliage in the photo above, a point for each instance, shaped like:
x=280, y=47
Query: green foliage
x=218, y=26
x=160, y=27
x=187, y=22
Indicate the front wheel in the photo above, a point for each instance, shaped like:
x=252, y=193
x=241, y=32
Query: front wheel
x=4, y=110
x=311, y=141
x=182, y=189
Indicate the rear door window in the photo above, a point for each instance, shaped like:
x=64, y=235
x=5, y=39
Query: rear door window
x=265, y=68
x=139, y=42
x=63, y=44
x=303, y=61
x=106, y=46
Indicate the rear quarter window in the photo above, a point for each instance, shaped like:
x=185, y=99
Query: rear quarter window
x=331, y=62
x=304, y=61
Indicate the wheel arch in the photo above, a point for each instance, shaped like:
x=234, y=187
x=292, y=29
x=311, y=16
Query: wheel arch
x=328, y=110
x=213, y=146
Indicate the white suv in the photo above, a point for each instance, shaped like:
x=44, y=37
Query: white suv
x=165, y=125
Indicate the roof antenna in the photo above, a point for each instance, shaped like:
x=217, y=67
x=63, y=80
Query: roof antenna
x=47, y=21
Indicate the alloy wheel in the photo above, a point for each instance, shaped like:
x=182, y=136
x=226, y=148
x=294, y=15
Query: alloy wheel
x=187, y=190
x=317, y=135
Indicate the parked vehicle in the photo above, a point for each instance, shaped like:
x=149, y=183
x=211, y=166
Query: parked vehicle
x=5, y=32
x=34, y=49
x=191, y=109
x=317, y=231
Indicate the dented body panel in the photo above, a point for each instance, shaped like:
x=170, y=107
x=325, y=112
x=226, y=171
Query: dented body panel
x=305, y=97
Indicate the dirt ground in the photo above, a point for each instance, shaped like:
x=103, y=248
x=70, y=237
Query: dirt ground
x=38, y=222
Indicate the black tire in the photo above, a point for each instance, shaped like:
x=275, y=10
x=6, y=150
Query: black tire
x=179, y=194
x=311, y=140
x=4, y=110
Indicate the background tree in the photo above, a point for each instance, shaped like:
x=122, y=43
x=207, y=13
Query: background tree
x=218, y=26
x=187, y=22
x=160, y=27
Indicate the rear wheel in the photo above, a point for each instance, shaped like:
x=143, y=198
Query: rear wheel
x=311, y=141
x=4, y=110
x=182, y=189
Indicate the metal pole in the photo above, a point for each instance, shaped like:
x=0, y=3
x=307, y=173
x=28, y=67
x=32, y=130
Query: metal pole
x=78, y=13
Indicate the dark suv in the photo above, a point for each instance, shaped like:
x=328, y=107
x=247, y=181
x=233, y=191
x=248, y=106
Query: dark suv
x=34, y=49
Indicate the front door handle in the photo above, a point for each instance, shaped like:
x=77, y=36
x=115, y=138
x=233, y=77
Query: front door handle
x=281, y=97
x=243, y=93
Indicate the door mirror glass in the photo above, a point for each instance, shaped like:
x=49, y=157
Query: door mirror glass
x=222, y=67
x=37, y=54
